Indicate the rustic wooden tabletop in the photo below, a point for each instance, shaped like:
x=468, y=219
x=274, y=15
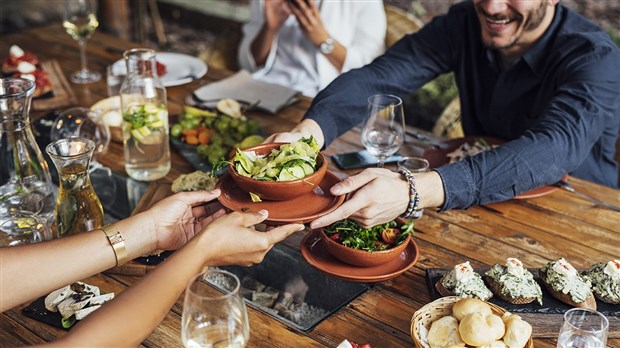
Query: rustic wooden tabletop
x=535, y=230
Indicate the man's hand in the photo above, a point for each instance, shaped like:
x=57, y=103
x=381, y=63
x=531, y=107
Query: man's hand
x=378, y=196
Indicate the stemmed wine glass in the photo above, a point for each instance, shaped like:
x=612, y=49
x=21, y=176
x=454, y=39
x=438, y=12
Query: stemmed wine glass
x=80, y=22
x=214, y=313
x=383, y=129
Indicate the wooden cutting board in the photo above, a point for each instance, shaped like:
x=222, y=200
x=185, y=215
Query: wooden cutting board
x=546, y=320
x=62, y=94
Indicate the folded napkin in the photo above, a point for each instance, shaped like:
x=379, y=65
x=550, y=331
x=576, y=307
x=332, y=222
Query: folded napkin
x=243, y=87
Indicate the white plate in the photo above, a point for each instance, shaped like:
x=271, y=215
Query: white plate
x=180, y=68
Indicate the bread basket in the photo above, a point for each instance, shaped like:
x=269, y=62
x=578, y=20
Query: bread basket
x=440, y=308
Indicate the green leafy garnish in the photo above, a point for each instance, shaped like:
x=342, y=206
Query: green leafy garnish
x=255, y=198
x=349, y=233
x=290, y=162
x=68, y=322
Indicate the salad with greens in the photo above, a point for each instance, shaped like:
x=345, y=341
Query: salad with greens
x=381, y=237
x=290, y=162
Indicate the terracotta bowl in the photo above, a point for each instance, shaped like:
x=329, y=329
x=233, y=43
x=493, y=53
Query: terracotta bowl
x=362, y=258
x=278, y=190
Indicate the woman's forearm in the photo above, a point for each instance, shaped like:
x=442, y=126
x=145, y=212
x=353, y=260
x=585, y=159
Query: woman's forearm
x=261, y=46
x=34, y=270
x=133, y=314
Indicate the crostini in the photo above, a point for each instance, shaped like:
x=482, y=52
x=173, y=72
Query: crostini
x=462, y=281
x=513, y=283
x=564, y=283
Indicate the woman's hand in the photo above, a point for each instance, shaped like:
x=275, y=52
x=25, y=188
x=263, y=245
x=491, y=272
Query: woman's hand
x=276, y=13
x=378, y=196
x=176, y=219
x=232, y=239
x=309, y=18
x=307, y=127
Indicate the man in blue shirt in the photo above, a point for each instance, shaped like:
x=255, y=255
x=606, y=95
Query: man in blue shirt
x=532, y=72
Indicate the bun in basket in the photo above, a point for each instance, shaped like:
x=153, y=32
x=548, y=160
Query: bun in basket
x=564, y=283
x=445, y=332
x=518, y=331
x=513, y=283
x=462, y=281
x=478, y=329
x=468, y=306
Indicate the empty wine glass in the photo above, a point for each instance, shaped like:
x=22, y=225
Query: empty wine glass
x=88, y=124
x=583, y=328
x=383, y=129
x=80, y=22
x=214, y=313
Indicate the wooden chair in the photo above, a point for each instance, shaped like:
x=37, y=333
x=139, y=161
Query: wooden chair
x=399, y=23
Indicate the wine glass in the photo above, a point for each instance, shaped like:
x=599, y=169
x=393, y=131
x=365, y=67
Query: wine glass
x=88, y=124
x=80, y=22
x=214, y=313
x=583, y=328
x=383, y=130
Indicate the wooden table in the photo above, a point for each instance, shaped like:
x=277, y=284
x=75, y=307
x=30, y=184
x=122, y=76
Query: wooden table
x=535, y=230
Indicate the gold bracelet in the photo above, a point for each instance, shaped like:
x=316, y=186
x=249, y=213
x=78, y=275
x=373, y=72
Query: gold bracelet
x=117, y=242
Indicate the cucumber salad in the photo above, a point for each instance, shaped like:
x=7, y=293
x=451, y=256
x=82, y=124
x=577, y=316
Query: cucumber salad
x=291, y=162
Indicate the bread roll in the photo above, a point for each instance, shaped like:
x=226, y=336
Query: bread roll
x=518, y=331
x=470, y=305
x=495, y=344
x=444, y=332
x=478, y=329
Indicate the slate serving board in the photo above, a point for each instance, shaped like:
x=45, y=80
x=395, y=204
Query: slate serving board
x=546, y=320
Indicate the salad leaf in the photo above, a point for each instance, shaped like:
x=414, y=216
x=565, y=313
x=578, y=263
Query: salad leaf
x=352, y=235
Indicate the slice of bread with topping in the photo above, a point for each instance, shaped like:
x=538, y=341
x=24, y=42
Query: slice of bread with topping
x=605, y=278
x=564, y=283
x=513, y=283
x=462, y=281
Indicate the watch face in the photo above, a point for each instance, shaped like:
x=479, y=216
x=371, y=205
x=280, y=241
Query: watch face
x=327, y=46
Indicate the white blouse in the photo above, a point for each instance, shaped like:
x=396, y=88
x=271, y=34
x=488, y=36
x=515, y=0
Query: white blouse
x=295, y=62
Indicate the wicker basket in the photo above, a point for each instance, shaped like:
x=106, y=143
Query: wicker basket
x=440, y=308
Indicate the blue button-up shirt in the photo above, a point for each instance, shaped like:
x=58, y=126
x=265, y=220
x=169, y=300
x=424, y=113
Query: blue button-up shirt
x=558, y=107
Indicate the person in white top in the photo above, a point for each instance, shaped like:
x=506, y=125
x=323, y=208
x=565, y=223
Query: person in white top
x=305, y=44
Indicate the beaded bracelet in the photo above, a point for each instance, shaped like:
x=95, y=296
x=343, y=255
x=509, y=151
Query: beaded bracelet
x=414, y=196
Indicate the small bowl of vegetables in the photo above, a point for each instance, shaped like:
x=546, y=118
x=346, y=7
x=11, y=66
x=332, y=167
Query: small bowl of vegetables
x=278, y=171
x=351, y=243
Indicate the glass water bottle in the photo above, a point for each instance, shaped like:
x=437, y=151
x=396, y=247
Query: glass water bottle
x=25, y=183
x=145, y=118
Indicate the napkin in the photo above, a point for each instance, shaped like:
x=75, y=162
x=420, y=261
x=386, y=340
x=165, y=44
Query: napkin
x=243, y=87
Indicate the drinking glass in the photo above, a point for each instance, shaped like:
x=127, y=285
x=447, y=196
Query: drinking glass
x=19, y=227
x=80, y=21
x=583, y=328
x=383, y=129
x=414, y=165
x=214, y=313
x=88, y=124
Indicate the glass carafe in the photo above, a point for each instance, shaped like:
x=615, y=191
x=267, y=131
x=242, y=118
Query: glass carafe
x=25, y=183
x=78, y=208
x=145, y=118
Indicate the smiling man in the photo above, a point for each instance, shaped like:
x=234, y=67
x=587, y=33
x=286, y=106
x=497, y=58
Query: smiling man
x=532, y=72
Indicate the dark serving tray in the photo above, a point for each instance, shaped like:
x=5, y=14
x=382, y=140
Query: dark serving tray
x=550, y=304
x=284, y=267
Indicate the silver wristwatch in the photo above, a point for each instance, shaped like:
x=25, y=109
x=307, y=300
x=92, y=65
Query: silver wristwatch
x=327, y=46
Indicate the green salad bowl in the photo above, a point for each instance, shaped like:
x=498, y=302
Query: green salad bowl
x=278, y=190
x=362, y=258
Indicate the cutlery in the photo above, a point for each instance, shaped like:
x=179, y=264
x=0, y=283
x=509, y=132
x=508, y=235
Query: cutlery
x=563, y=184
x=245, y=106
x=427, y=139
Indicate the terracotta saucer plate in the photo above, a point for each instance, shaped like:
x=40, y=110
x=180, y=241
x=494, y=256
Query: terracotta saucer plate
x=317, y=255
x=302, y=209
x=437, y=157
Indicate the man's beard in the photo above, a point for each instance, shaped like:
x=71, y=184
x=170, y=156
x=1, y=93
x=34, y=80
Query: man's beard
x=534, y=19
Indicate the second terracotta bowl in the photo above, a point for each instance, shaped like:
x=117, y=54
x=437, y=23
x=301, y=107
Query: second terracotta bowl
x=279, y=190
x=359, y=257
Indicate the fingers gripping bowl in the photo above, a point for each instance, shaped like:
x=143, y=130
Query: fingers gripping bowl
x=300, y=178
